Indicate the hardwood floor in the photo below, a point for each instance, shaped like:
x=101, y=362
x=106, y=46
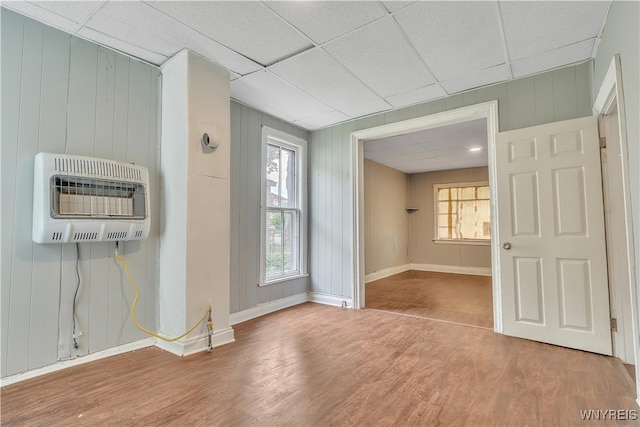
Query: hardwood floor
x=454, y=298
x=319, y=365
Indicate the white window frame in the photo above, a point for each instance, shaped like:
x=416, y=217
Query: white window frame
x=436, y=239
x=299, y=146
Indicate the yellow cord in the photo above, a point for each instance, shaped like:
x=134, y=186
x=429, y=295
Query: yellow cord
x=135, y=301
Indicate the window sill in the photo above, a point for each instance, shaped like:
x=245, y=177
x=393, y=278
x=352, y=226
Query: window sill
x=283, y=279
x=469, y=242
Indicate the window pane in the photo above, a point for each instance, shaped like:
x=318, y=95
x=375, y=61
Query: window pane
x=483, y=192
x=289, y=247
x=467, y=193
x=273, y=175
x=274, y=259
x=463, y=213
x=288, y=175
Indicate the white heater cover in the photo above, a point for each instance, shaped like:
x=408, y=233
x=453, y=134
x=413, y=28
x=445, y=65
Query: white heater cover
x=84, y=199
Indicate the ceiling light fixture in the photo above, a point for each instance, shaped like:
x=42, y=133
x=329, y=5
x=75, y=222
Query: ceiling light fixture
x=475, y=149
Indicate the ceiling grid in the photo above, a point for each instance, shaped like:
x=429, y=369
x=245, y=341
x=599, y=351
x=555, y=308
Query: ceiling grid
x=319, y=63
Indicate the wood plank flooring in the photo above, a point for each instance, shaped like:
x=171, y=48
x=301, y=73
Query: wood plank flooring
x=319, y=365
x=450, y=297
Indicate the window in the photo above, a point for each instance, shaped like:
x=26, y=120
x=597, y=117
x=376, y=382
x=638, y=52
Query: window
x=283, y=252
x=462, y=213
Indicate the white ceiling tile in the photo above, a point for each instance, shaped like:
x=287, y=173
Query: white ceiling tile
x=370, y=107
x=321, y=120
x=144, y=26
x=480, y=78
x=121, y=45
x=389, y=143
x=43, y=15
x=282, y=99
x=74, y=10
x=445, y=147
x=553, y=59
x=247, y=27
x=532, y=27
x=379, y=55
x=415, y=96
x=318, y=74
x=134, y=24
x=454, y=38
x=322, y=21
x=395, y=5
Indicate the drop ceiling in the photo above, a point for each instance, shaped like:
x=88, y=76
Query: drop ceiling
x=318, y=63
x=457, y=146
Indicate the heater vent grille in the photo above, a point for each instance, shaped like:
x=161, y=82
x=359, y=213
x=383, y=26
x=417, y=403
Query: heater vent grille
x=82, y=199
x=78, y=237
x=120, y=235
x=96, y=168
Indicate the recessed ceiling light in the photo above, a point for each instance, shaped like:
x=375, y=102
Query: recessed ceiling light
x=475, y=149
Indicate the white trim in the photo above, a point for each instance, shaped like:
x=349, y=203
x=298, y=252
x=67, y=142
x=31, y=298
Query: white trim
x=197, y=344
x=386, y=272
x=612, y=90
x=488, y=110
x=330, y=299
x=267, y=307
x=470, y=242
x=80, y=360
x=454, y=269
x=299, y=146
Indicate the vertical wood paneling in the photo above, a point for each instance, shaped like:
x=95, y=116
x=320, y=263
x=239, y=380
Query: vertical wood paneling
x=140, y=112
x=62, y=94
x=583, y=98
x=544, y=98
x=565, y=93
x=337, y=211
x=522, y=112
x=11, y=42
x=97, y=338
x=246, y=141
x=553, y=96
x=234, y=253
x=28, y=129
x=253, y=190
x=43, y=335
x=81, y=120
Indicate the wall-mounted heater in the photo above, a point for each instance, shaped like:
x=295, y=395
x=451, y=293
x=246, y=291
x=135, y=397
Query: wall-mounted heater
x=84, y=199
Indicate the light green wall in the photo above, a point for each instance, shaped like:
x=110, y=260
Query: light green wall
x=62, y=94
x=246, y=128
x=622, y=35
x=548, y=97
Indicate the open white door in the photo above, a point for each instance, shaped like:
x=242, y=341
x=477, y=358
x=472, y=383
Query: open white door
x=552, y=249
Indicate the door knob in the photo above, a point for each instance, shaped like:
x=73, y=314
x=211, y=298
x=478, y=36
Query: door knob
x=506, y=245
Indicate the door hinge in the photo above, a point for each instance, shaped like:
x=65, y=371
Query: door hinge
x=603, y=142
x=614, y=324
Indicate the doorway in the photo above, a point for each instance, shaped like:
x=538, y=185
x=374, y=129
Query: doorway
x=427, y=224
x=486, y=111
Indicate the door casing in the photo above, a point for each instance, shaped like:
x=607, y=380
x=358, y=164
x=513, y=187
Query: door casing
x=487, y=110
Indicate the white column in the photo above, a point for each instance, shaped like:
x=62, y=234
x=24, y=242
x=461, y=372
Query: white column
x=195, y=202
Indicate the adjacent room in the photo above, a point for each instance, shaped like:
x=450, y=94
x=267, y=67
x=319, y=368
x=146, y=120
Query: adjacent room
x=319, y=213
x=428, y=224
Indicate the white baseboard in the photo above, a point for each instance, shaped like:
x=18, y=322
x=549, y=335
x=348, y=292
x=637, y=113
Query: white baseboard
x=197, y=344
x=455, y=269
x=330, y=299
x=267, y=307
x=64, y=364
x=386, y=272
